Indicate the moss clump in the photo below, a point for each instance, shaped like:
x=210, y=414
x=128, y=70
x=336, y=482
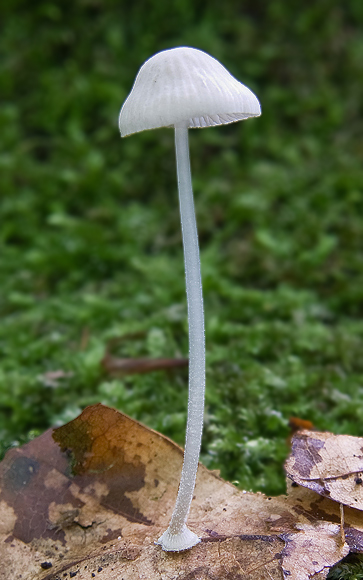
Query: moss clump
x=90, y=239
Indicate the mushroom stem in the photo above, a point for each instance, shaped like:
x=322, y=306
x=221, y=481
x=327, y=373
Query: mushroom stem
x=178, y=537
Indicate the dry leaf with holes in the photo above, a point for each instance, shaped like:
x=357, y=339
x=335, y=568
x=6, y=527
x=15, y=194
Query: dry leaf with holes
x=90, y=498
x=331, y=465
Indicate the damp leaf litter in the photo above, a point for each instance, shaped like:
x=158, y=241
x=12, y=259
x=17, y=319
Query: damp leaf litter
x=94, y=493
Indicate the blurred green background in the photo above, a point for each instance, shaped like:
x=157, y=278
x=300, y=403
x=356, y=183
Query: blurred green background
x=90, y=237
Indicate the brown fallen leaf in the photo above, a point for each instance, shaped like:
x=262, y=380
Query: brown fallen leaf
x=331, y=465
x=93, y=496
x=127, y=366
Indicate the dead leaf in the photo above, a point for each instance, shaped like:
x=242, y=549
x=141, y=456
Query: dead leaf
x=331, y=465
x=93, y=496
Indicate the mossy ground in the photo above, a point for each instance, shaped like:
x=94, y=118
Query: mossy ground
x=90, y=236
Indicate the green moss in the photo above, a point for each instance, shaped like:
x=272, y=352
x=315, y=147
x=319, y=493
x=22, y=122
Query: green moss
x=90, y=238
x=351, y=568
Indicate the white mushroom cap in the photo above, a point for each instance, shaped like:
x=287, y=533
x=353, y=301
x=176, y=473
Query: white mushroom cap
x=185, y=85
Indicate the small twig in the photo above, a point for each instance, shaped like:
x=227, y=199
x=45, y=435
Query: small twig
x=85, y=336
x=127, y=366
x=342, y=534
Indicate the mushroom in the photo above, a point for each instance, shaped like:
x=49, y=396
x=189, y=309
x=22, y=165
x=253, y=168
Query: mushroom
x=187, y=88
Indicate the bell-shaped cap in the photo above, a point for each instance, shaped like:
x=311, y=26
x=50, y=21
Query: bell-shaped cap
x=185, y=86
